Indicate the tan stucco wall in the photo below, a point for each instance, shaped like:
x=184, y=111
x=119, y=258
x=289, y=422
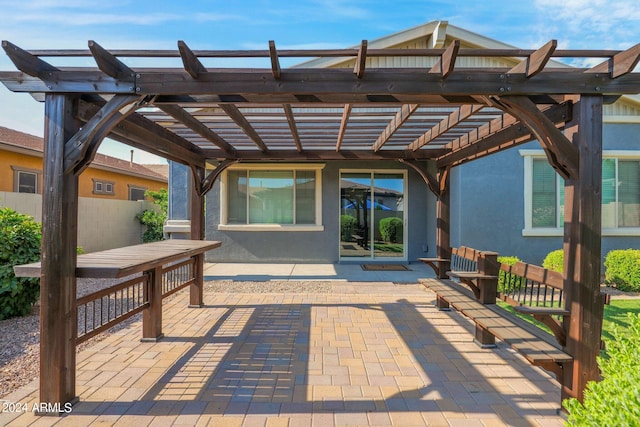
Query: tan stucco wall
x=102, y=224
x=9, y=159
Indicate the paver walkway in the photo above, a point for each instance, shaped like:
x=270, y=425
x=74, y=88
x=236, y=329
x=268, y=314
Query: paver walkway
x=368, y=354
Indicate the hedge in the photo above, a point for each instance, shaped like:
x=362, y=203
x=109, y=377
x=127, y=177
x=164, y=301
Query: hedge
x=554, y=261
x=20, y=239
x=614, y=401
x=391, y=229
x=623, y=269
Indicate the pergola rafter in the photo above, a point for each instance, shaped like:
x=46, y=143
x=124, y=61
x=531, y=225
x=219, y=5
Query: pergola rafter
x=445, y=114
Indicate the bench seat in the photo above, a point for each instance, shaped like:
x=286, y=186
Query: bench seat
x=537, y=346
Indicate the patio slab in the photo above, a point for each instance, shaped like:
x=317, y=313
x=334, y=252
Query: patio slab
x=370, y=353
x=346, y=272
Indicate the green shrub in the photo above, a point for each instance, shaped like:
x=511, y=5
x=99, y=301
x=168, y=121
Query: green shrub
x=20, y=239
x=554, y=261
x=507, y=282
x=614, y=401
x=623, y=269
x=347, y=225
x=391, y=229
x=154, y=218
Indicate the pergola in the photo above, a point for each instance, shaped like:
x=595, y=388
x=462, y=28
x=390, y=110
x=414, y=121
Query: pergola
x=431, y=119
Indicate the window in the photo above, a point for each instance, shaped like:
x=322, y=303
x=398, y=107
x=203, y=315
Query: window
x=103, y=187
x=26, y=180
x=136, y=193
x=272, y=197
x=544, y=194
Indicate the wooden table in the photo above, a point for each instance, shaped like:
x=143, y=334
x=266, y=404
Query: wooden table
x=121, y=262
x=149, y=259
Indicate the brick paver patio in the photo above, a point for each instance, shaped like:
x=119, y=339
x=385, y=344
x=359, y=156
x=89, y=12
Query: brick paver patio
x=368, y=354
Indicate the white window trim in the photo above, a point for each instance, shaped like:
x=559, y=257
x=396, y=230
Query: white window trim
x=530, y=231
x=224, y=226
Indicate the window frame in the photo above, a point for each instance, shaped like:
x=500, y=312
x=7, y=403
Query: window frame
x=104, y=185
x=136, y=187
x=529, y=231
x=224, y=197
x=16, y=179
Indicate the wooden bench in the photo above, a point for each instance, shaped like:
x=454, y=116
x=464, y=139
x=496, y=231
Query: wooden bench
x=534, y=344
x=463, y=258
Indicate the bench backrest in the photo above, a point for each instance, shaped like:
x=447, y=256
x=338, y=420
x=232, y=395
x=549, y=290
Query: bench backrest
x=532, y=285
x=464, y=259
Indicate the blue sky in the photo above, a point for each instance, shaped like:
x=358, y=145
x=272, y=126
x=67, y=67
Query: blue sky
x=143, y=24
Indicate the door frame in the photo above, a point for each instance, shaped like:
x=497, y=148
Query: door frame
x=405, y=215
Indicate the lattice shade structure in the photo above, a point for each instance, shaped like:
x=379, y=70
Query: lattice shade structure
x=430, y=108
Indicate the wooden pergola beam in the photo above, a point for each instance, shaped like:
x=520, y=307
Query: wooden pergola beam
x=236, y=115
x=361, y=60
x=325, y=155
x=181, y=115
x=462, y=113
x=288, y=111
x=144, y=134
x=109, y=64
x=26, y=62
x=620, y=64
x=401, y=116
x=190, y=61
x=275, y=62
x=445, y=65
x=499, y=134
x=83, y=146
x=346, y=112
x=535, y=62
x=335, y=86
x=562, y=154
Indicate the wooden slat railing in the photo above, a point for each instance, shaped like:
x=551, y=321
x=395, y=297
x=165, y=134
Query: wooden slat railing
x=178, y=276
x=530, y=285
x=107, y=307
x=464, y=259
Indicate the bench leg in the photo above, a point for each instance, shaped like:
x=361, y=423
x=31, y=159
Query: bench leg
x=483, y=338
x=442, y=305
x=196, y=290
x=152, y=316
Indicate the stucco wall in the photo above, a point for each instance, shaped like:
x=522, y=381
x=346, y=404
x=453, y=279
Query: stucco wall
x=102, y=224
x=9, y=159
x=487, y=202
x=322, y=246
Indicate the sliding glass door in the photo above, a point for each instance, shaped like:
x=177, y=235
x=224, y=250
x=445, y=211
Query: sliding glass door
x=372, y=215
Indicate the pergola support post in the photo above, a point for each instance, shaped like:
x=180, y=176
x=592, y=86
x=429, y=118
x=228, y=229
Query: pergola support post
x=196, y=289
x=443, y=224
x=582, y=249
x=58, y=320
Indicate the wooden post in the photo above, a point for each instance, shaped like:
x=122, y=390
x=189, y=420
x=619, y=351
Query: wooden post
x=443, y=221
x=582, y=249
x=58, y=323
x=196, y=298
x=152, y=316
x=488, y=265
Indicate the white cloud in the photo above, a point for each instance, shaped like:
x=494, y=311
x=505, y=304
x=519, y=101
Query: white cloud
x=594, y=24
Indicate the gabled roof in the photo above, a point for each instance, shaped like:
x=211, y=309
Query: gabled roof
x=15, y=140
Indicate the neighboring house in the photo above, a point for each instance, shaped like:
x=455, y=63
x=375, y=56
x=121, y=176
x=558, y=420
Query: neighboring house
x=291, y=212
x=107, y=177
